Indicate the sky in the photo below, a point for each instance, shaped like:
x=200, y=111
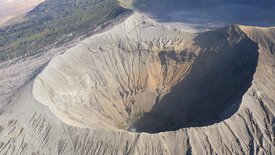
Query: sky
x=203, y=15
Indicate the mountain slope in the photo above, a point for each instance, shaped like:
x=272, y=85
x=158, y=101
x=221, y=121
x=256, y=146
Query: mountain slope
x=25, y=50
x=54, y=23
x=44, y=118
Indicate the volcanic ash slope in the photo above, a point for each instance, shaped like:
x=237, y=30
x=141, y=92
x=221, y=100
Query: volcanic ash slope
x=141, y=88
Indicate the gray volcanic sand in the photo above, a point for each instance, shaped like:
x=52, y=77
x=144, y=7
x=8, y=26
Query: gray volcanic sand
x=209, y=93
x=146, y=81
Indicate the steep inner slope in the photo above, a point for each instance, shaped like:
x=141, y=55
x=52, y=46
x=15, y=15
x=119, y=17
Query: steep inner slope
x=213, y=88
x=143, y=77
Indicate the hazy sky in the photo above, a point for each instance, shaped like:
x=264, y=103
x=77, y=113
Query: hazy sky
x=194, y=14
x=202, y=15
x=10, y=9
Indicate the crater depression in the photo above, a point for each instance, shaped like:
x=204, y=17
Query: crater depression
x=143, y=77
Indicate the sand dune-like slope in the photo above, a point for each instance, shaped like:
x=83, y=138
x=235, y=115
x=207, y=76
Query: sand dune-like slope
x=141, y=88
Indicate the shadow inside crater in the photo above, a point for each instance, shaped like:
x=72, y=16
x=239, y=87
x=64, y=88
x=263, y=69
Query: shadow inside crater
x=211, y=92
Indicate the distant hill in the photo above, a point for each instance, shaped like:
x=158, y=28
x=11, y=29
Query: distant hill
x=204, y=15
x=173, y=4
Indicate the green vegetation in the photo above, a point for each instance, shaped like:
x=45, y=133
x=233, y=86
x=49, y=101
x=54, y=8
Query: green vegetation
x=53, y=23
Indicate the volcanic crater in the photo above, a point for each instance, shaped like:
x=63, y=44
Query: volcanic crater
x=143, y=77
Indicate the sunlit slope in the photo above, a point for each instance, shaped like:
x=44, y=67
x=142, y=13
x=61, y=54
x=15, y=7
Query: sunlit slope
x=142, y=76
